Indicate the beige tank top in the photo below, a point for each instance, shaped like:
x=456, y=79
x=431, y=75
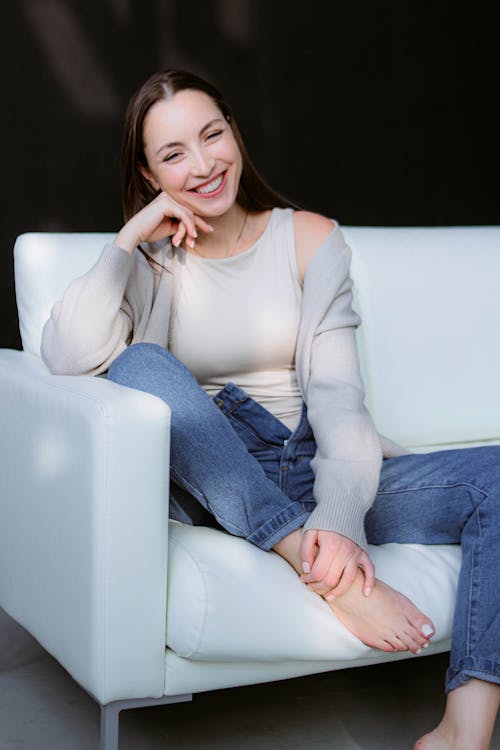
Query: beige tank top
x=236, y=319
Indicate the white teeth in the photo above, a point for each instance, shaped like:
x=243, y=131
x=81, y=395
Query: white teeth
x=211, y=186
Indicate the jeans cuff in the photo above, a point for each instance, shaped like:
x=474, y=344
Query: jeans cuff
x=458, y=674
x=276, y=528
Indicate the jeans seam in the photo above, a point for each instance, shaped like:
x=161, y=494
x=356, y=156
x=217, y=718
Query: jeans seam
x=471, y=584
x=483, y=669
x=254, y=434
x=264, y=538
x=189, y=487
x=229, y=409
x=486, y=493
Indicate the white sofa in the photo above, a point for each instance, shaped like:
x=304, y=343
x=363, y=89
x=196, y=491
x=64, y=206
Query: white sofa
x=140, y=611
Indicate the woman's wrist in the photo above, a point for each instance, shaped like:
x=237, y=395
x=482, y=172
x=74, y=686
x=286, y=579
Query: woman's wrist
x=126, y=239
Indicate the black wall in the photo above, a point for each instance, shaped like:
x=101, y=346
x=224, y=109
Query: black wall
x=373, y=113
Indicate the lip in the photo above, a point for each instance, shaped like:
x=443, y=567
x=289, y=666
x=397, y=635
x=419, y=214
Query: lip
x=215, y=193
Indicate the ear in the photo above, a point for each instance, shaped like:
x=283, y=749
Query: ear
x=148, y=176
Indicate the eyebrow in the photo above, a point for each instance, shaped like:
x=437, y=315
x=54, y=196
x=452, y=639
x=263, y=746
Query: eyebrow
x=175, y=144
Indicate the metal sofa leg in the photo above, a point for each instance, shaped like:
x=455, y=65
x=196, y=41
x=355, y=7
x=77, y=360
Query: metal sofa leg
x=110, y=715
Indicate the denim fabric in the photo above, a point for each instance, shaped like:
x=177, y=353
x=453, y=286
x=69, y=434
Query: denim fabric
x=207, y=461
x=452, y=497
x=284, y=456
x=240, y=465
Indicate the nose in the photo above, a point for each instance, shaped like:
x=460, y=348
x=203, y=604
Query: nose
x=202, y=163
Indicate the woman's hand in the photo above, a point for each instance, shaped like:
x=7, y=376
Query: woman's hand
x=330, y=562
x=161, y=218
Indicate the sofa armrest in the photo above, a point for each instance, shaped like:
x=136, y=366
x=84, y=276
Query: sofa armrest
x=84, y=472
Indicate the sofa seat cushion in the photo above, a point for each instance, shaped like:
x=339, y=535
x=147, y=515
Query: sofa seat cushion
x=229, y=600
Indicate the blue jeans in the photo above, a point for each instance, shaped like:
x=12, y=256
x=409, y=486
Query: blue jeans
x=235, y=465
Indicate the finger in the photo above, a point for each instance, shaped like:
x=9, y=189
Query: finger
x=322, y=563
x=318, y=588
x=188, y=219
x=319, y=571
x=327, y=568
x=324, y=577
x=179, y=235
x=368, y=569
x=308, y=550
x=346, y=580
x=202, y=224
x=176, y=211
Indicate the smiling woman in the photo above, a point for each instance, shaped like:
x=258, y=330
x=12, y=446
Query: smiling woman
x=189, y=146
x=201, y=166
x=240, y=319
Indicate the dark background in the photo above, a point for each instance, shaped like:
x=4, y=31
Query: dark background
x=372, y=113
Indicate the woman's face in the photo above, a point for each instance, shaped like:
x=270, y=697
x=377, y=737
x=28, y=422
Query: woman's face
x=191, y=153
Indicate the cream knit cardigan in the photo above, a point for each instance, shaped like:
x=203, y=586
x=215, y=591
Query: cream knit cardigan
x=121, y=301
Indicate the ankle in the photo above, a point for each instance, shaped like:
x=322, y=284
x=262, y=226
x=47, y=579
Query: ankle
x=289, y=549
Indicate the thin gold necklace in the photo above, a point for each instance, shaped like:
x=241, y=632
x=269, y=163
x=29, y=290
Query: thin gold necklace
x=238, y=238
x=231, y=252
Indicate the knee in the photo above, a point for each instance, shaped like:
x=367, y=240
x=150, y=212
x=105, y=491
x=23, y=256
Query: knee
x=143, y=360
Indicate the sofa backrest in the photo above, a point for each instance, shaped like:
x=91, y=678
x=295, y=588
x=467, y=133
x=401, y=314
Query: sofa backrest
x=44, y=265
x=429, y=342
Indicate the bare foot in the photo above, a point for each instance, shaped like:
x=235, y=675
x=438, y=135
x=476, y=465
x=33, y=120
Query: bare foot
x=440, y=739
x=468, y=721
x=386, y=619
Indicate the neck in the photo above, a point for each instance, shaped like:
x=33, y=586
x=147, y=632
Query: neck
x=228, y=236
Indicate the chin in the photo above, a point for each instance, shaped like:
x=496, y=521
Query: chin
x=214, y=208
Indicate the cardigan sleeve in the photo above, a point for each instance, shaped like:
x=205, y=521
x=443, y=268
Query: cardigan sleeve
x=348, y=456
x=92, y=323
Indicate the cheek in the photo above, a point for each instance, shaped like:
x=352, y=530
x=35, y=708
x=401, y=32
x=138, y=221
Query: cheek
x=233, y=156
x=172, y=179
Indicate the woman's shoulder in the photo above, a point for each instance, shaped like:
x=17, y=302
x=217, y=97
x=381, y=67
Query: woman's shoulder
x=311, y=230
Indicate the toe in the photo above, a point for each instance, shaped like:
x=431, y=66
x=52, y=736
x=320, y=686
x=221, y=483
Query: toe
x=398, y=642
x=414, y=645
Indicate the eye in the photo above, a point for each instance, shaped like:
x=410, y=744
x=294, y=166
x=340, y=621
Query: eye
x=214, y=134
x=172, y=157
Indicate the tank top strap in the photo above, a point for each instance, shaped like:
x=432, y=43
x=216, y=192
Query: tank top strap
x=281, y=239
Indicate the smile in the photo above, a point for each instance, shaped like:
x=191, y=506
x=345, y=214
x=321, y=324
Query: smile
x=209, y=188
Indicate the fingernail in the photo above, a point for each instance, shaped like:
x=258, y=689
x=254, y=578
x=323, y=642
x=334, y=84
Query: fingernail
x=418, y=651
x=330, y=598
x=191, y=244
x=306, y=567
x=426, y=645
x=175, y=244
x=426, y=630
x=367, y=591
x=195, y=233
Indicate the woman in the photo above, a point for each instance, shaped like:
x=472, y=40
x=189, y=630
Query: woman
x=222, y=299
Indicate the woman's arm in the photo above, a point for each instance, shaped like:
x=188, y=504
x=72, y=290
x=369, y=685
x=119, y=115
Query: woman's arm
x=348, y=457
x=91, y=325
x=93, y=322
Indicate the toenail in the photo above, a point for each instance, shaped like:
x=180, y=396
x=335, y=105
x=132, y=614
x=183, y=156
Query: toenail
x=426, y=629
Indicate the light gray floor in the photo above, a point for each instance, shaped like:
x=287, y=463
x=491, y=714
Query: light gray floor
x=385, y=707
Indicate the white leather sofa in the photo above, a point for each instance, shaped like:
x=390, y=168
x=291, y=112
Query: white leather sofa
x=140, y=611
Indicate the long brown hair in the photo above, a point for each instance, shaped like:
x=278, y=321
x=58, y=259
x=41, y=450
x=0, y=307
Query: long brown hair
x=254, y=193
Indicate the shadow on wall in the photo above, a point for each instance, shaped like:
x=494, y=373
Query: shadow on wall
x=80, y=64
x=372, y=115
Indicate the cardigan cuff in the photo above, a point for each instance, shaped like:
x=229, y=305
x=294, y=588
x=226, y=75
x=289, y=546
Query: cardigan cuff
x=113, y=266
x=342, y=512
